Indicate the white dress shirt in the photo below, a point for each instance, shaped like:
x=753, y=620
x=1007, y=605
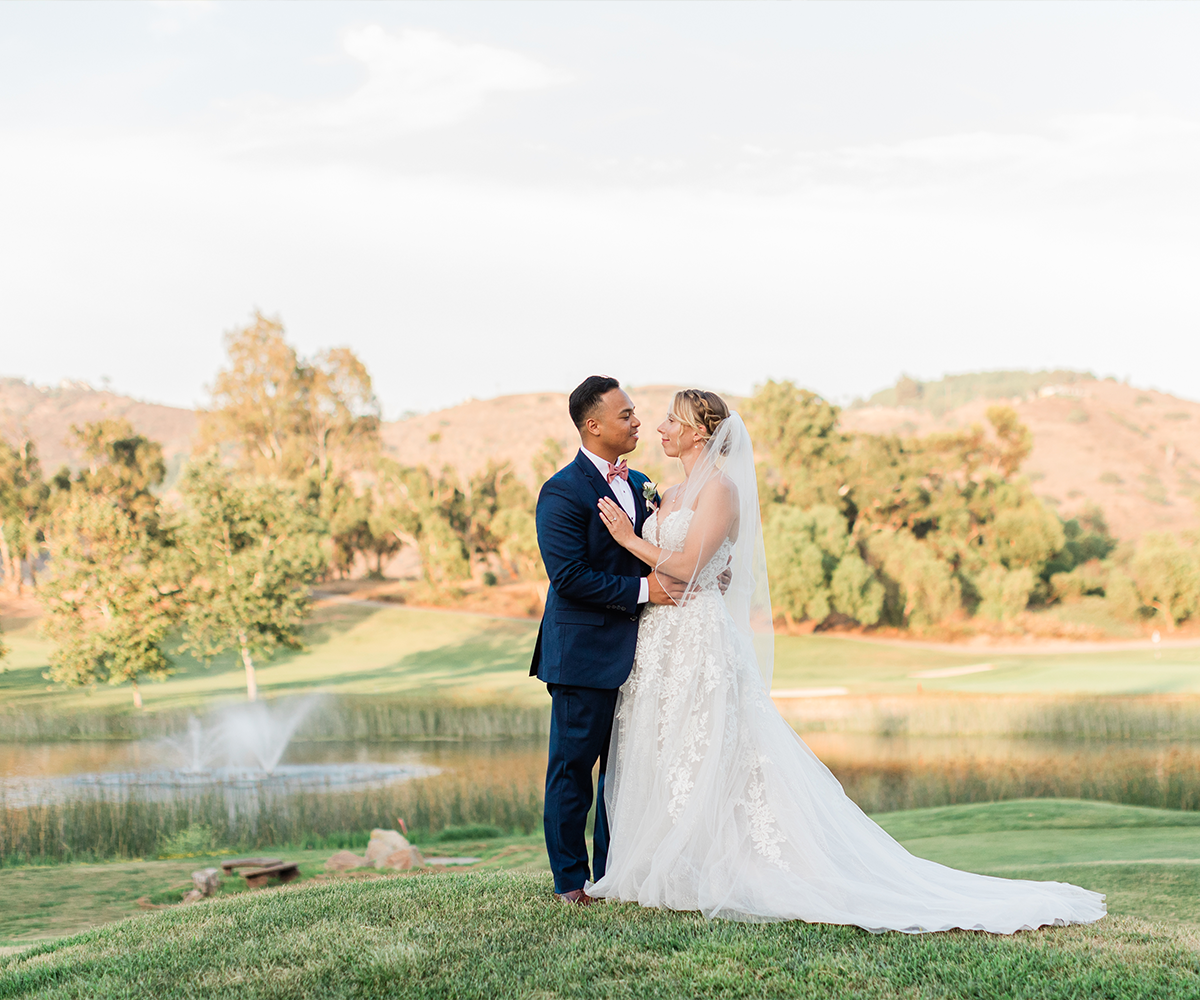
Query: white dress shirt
x=624, y=494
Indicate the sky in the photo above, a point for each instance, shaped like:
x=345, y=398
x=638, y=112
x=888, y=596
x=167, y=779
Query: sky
x=489, y=198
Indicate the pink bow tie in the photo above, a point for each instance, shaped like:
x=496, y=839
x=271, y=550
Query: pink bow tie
x=620, y=469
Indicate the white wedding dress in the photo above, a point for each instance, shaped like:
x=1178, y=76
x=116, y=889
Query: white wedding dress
x=715, y=804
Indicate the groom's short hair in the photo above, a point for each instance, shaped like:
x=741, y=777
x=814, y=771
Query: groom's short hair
x=587, y=396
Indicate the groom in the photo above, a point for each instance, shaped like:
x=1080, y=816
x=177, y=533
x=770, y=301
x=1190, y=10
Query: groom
x=584, y=650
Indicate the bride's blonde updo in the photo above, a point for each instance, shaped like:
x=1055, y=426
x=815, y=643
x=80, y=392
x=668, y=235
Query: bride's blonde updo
x=699, y=409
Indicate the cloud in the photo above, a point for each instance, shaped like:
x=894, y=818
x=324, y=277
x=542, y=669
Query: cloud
x=416, y=80
x=1114, y=148
x=174, y=16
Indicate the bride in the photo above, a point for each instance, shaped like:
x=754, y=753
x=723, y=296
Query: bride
x=715, y=803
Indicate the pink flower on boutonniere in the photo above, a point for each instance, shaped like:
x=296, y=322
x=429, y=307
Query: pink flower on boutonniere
x=649, y=492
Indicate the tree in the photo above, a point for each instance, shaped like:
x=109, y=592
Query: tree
x=815, y=568
x=23, y=495
x=796, y=431
x=547, y=461
x=258, y=400
x=921, y=587
x=342, y=414
x=348, y=516
x=501, y=520
x=112, y=597
x=855, y=590
x=382, y=541
x=253, y=549
x=111, y=600
x=291, y=417
x=1015, y=442
x=432, y=513
x=1167, y=574
x=1087, y=540
x=1004, y=593
x=357, y=525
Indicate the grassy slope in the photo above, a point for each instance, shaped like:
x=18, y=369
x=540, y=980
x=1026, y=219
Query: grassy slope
x=55, y=900
x=352, y=649
x=1147, y=860
x=500, y=934
x=359, y=649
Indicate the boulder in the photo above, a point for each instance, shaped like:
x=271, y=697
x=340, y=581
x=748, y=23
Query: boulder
x=344, y=861
x=192, y=896
x=207, y=881
x=402, y=860
x=384, y=843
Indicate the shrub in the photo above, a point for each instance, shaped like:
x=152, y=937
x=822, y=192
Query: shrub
x=1004, y=592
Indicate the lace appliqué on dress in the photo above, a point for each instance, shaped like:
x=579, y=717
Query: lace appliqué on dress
x=689, y=670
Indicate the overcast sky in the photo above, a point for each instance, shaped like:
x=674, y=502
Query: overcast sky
x=483, y=198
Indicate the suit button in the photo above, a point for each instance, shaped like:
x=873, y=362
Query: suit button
x=633, y=618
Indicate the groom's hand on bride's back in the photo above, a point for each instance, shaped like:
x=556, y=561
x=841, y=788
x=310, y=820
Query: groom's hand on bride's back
x=665, y=589
x=726, y=575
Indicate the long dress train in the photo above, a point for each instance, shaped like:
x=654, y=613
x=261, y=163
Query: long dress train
x=717, y=805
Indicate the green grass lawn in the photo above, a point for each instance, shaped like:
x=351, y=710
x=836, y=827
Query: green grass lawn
x=52, y=901
x=1146, y=860
x=352, y=649
x=870, y=667
x=359, y=649
x=499, y=934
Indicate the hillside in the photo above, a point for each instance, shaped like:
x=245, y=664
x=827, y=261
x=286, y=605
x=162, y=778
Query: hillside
x=45, y=414
x=1134, y=453
x=514, y=429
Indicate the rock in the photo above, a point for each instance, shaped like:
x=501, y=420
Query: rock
x=384, y=843
x=192, y=896
x=207, y=881
x=344, y=861
x=402, y=860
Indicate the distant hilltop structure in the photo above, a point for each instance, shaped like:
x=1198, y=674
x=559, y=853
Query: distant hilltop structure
x=64, y=385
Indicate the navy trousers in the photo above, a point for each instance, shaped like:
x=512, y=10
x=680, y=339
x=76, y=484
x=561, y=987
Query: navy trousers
x=580, y=727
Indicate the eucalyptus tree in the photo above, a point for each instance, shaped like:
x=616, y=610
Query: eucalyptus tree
x=290, y=417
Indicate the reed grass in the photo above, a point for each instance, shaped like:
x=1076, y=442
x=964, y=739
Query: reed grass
x=382, y=719
x=1163, y=778
x=1059, y=717
x=341, y=717
x=96, y=827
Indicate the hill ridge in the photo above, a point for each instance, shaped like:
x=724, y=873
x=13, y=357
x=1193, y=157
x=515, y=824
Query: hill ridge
x=1133, y=452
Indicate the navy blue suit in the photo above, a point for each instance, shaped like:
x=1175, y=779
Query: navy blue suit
x=584, y=653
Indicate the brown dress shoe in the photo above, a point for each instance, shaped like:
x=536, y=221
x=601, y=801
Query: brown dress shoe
x=576, y=896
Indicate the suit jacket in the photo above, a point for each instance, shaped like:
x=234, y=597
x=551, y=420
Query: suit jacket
x=589, y=627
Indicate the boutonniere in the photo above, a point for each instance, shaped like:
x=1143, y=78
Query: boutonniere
x=649, y=492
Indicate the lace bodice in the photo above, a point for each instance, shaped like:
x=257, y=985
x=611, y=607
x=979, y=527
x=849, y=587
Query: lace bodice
x=674, y=530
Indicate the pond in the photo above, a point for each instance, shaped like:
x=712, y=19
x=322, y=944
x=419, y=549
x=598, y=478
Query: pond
x=880, y=772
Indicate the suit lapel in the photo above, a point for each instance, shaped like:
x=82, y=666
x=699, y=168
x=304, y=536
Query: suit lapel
x=639, y=501
x=603, y=489
x=597, y=481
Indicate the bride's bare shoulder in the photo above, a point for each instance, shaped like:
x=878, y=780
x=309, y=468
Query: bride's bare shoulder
x=719, y=491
